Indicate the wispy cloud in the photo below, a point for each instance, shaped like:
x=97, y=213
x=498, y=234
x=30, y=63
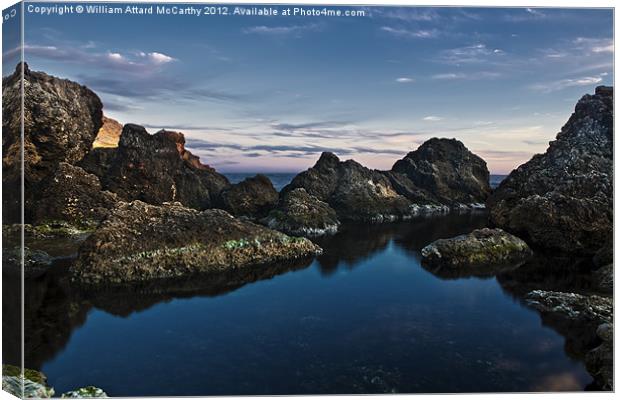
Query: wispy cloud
x=474, y=75
x=475, y=53
x=404, y=80
x=524, y=15
x=553, y=86
x=432, y=118
x=290, y=30
x=414, y=34
x=594, y=45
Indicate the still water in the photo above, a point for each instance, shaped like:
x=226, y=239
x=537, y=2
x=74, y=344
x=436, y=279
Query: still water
x=366, y=317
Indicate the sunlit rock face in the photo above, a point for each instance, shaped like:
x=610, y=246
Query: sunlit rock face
x=109, y=134
x=563, y=199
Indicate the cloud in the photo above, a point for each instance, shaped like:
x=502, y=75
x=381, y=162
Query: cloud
x=524, y=15
x=475, y=53
x=410, y=14
x=594, y=45
x=185, y=127
x=415, y=34
x=432, y=118
x=294, y=30
x=476, y=75
x=548, y=87
x=308, y=125
x=404, y=80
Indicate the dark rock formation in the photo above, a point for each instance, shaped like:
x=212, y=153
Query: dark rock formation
x=98, y=161
x=301, y=214
x=61, y=120
x=355, y=192
x=157, y=169
x=563, y=199
x=482, y=248
x=600, y=360
x=109, y=134
x=604, y=277
x=441, y=171
x=138, y=242
x=253, y=197
x=73, y=195
x=36, y=262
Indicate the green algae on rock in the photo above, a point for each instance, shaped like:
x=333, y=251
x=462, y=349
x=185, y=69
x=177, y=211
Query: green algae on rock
x=84, y=393
x=139, y=242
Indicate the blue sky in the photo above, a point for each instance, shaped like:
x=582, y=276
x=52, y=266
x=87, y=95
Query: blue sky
x=271, y=93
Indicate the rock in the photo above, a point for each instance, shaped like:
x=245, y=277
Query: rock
x=85, y=392
x=593, y=309
x=74, y=196
x=604, y=277
x=563, y=199
x=478, y=249
x=253, y=197
x=98, y=161
x=605, y=255
x=600, y=360
x=157, y=169
x=442, y=171
x=355, y=192
x=139, y=241
x=36, y=262
x=109, y=134
x=61, y=121
x=301, y=214
x=32, y=384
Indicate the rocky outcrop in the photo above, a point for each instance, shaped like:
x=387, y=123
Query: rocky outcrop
x=355, y=192
x=156, y=169
x=36, y=262
x=301, y=214
x=73, y=195
x=139, y=242
x=563, y=199
x=61, y=120
x=253, y=197
x=442, y=171
x=588, y=314
x=33, y=384
x=482, y=248
x=109, y=134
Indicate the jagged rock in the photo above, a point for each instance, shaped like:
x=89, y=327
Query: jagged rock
x=479, y=249
x=355, y=192
x=157, y=169
x=74, y=196
x=98, y=161
x=301, y=214
x=61, y=120
x=442, y=171
x=32, y=384
x=109, y=134
x=604, y=277
x=84, y=393
x=139, y=241
x=600, y=360
x=563, y=199
x=253, y=197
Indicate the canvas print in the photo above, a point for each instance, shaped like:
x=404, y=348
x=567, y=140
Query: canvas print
x=228, y=199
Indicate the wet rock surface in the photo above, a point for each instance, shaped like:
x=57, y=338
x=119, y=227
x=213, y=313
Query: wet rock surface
x=301, y=214
x=354, y=191
x=441, y=171
x=563, y=199
x=600, y=360
x=253, y=197
x=157, y=168
x=481, y=249
x=138, y=242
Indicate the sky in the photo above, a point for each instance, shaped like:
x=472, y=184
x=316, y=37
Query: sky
x=269, y=94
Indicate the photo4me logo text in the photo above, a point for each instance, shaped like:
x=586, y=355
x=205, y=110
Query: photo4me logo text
x=99, y=9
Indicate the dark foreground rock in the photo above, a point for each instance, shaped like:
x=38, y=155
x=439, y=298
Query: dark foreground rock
x=442, y=171
x=482, y=248
x=61, y=120
x=563, y=199
x=592, y=315
x=138, y=242
x=253, y=197
x=156, y=169
x=355, y=192
x=301, y=214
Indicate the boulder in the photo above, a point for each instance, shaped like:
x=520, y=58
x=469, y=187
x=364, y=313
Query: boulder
x=61, y=121
x=604, y=278
x=84, y=393
x=442, y=171
x=563, y=199
x=29, y=384
x=157, y=168
x=109, y=134
x=600, y=360
x=72, y=195
x=138, y=242
x=355, y=192
x=481, y=248
x=301, y=214
x=253, y=197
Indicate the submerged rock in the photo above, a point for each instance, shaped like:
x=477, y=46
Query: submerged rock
x=253, y=197
x=157, y=168
x=301, y=214
x=442, y=171
x=563, y=199
x=109, y=134
x=354, y=191
x=138, y=242
x=36, y=262
x=478, y=249
x=73, y=195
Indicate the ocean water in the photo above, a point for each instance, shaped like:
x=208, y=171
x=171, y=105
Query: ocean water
x=365, y=317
